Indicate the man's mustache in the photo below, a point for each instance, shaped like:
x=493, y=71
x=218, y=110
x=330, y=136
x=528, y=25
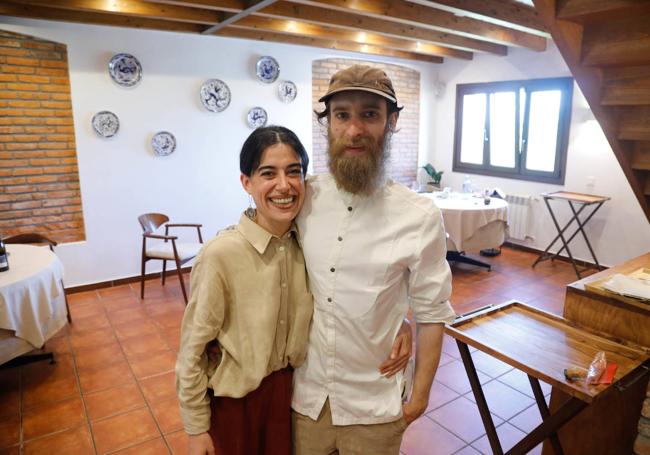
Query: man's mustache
x=366, y=142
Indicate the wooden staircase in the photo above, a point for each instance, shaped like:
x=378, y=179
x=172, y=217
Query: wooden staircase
x=606, y=44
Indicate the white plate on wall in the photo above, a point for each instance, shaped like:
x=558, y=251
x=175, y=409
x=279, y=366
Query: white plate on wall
x=125, y=70
x=163, y=143
x=215, y=95
x=106, y=124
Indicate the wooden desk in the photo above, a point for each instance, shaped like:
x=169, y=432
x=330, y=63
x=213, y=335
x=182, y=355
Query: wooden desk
x=542, y=345
x=616, y=417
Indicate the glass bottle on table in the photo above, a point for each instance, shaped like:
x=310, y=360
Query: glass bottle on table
x=467, y=185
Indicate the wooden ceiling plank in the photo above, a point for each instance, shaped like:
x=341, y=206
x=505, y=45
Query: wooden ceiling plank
x=230, y=6
x=507, y=13
x=134, y=8
x=234, y=31
x=422, y=16
x=294, y=28
x=38, y=12
x=322, y=16
x=253, y=6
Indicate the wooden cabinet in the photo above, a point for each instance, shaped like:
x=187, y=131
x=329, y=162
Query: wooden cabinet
x=608, y=426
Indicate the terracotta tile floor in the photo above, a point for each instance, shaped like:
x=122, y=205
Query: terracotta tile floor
x=111, y=389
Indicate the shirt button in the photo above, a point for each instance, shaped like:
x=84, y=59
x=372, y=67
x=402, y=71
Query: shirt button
x=332, y=269
x=349, y=209
x=340, y=239
x=284, y=285
x=329, y=299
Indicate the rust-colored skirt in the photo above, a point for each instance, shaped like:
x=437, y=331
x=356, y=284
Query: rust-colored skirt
x=257, y=424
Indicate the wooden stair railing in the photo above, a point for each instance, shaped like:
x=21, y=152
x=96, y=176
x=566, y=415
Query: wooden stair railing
x=606, y=45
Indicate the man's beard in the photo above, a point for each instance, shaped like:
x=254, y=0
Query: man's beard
x=359, y=174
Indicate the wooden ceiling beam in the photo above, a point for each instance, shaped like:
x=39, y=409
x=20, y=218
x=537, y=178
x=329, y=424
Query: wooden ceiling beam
x=293, y=28
x=38, y=12
x=356, y=22
x=507, y=13
x=252, y=7
x=234, y=31
x=422, y=16
x=133, y=8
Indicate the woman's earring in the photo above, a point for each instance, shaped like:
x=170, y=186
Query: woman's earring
x=250, y=211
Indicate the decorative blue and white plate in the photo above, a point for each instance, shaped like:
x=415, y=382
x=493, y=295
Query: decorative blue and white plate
x=215, y=95
x=267, y=69
x=105, y=124
x=163, y=143
x=125, y=70
x=287, y=91
x=257, y=117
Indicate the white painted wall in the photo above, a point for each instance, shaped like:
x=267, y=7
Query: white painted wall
x=619, y=231
x=121, y=179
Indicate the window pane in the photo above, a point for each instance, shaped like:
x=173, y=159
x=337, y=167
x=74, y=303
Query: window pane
x=471, y=148
x=502, y=129
x=542, y=130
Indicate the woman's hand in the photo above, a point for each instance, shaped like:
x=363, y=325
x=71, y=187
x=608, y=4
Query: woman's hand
x=201, y=444
x=400, y=353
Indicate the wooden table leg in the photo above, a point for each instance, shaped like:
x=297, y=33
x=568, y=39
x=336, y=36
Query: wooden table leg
x=544, y=412
x=481, y=402
x=549, y=426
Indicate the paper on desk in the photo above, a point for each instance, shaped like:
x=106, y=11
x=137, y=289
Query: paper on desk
x=631, y=287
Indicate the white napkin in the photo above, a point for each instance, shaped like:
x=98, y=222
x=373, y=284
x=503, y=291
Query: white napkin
x=624, y=285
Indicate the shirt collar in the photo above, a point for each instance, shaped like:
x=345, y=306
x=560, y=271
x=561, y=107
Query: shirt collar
x=256, y=235
x=350, y=199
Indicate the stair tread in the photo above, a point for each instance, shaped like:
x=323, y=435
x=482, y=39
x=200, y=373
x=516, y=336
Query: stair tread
x=625, y=95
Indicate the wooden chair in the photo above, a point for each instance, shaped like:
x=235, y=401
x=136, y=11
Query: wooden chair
x=168, y=250
x=34, y=238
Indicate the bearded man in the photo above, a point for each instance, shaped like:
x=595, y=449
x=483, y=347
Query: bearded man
x=373, y=248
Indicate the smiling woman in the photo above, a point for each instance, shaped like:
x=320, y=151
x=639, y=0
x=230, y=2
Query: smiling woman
x=273, y=164
x=250, y=298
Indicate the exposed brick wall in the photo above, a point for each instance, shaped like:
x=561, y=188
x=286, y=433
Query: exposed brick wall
x=404, y=145
x=39, y=181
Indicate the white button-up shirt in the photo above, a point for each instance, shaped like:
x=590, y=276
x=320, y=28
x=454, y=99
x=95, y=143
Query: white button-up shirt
x=368, y=259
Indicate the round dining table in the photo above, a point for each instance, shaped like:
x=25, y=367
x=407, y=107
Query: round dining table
x=32, y=300
x=471, y=224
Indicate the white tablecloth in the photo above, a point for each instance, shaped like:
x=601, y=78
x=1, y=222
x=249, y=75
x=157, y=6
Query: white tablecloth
x=470, y=223
x=32, y=300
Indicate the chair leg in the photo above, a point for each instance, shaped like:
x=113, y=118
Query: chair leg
x=142, y=279
x=180, y=278
x=164, y=271
x=67, y=306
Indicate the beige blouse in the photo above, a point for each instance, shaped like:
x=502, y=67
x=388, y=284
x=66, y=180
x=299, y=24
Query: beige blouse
x=249, y=291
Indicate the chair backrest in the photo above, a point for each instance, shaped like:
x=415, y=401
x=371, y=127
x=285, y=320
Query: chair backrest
x=152, y=221
x=30, y=238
